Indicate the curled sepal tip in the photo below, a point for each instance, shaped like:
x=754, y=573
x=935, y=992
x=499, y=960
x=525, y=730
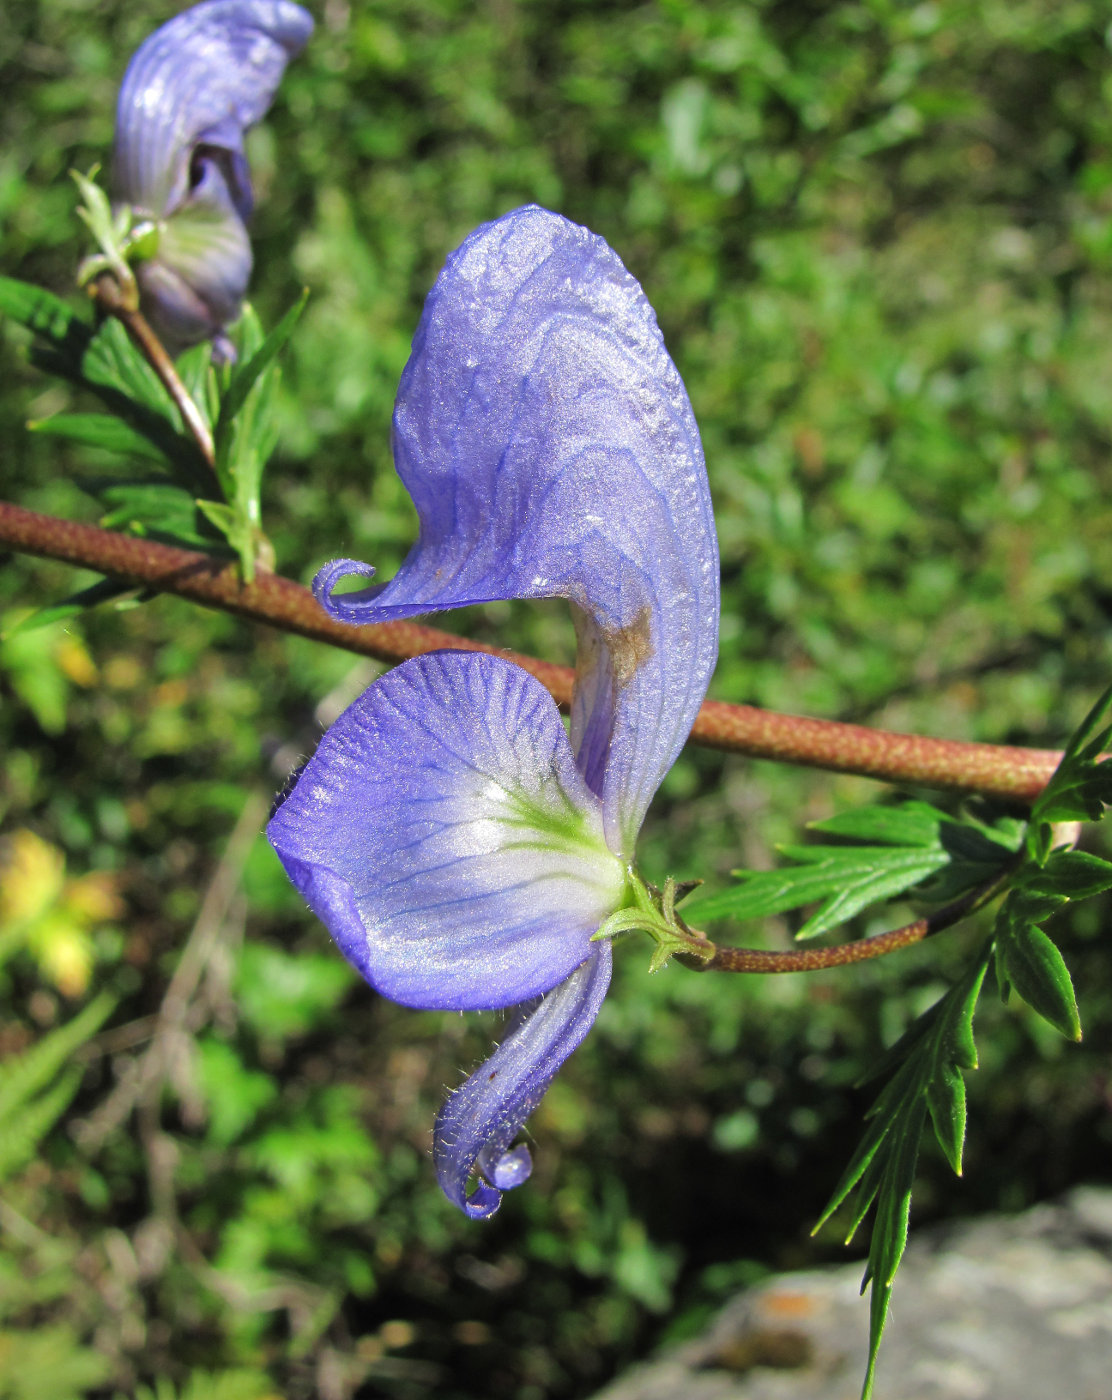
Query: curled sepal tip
x=478, y=1123
x=347, y=607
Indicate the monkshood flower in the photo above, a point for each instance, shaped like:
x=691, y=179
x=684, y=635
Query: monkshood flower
x=462, y=848
x=189, y=94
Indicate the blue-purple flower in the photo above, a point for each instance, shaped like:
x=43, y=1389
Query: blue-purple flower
x=188, y=96
x=462, y=848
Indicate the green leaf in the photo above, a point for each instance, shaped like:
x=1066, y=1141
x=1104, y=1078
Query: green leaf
x=104, y=591
x=101, y=430
x=956, y=1042
x=871, y=883
x=245, y=376
x=32, y=1095
x=45, y=314
x=22, y=1076
x=1036, y=969
x=197, y=372
x=104, y=361
x=50, y=1360
x=905, y=824
x=222, y=517
x=927, y=1081
x=946, y=1102
x=845, y=878
x=25, y=1130
x=1081, y=786
x=1069, y=875
x=151, y=506
x=881, y=852
x=1091, y=736
x=246, y=433
x=113, y=362
x=889, y=1237
x=864, y=1169
x=111, y=232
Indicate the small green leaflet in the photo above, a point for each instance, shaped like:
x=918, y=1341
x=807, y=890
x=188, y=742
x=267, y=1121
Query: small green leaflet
x=246, y=434
x=263, y=353
x=927, y=1064
x=156, y=509
x=100, y=430
x=928, y=1082
x=902, y=824
x=1027, y=959
x=882, y=852
x=1081, y=786
x=105, y=590
x=112, y=362
x=44, y=314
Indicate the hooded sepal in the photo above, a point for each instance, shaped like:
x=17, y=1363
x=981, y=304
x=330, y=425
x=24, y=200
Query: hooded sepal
x=550, y=449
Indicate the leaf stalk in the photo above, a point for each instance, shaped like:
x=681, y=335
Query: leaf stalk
x=113, y=300
x=878, y=945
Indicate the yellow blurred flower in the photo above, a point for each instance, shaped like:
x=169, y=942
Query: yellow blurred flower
x=74, y=661
x=51, y=916
x=31, y=876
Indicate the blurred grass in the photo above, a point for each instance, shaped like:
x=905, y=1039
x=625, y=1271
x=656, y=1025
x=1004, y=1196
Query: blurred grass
x=878, y=238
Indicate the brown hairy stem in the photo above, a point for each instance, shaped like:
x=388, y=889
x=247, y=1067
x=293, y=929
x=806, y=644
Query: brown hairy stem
x=996, y=769
x=991, y=769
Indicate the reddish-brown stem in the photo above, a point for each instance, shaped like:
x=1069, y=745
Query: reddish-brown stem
x=110, y=298
x=996, y=769
x=215, y=583
x=992, y=769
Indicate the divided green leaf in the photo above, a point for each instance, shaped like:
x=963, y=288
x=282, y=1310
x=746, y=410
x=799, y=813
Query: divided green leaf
x=102, y=360
x=845, y=878
x=141, y=421
x=25, y=1130
x=1067, y=874
x=927, y=1082
x=34, y=1093
x=153, y=507
x=22, y=1076
x=882, y=852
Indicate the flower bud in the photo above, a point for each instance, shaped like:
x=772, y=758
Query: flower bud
x=188, y=96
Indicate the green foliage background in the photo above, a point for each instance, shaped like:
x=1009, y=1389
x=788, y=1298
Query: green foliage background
x=878, y=237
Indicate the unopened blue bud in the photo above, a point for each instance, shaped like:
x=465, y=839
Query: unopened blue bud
x=188, y=96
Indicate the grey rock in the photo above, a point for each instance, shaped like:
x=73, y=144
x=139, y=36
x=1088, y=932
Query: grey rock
x=1000, y=1308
